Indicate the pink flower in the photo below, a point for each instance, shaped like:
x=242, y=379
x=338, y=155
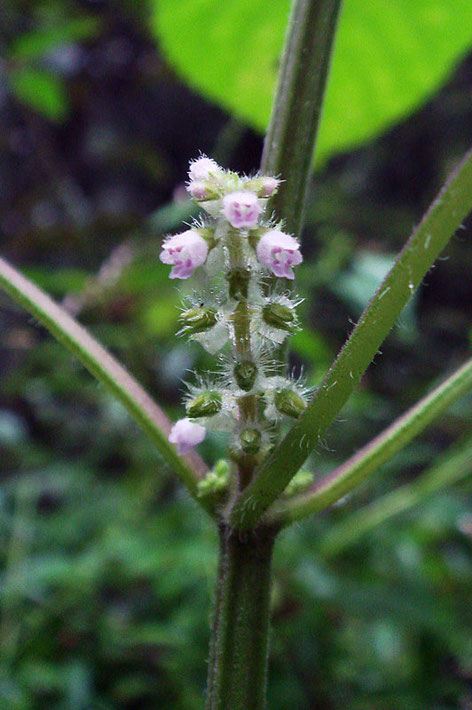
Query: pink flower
x=185, y=251
x=279, y=252
x=269, y=186
x=198, y=190
x=241, y=209
x=185, y=435
x=202, y=169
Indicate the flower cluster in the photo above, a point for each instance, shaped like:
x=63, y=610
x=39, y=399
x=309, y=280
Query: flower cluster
x=241, y=311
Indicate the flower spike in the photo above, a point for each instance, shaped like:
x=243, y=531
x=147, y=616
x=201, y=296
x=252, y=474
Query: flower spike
x=235, y=314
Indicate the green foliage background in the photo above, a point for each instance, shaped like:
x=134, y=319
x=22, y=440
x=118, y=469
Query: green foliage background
x=107, y=567
x=389, y=56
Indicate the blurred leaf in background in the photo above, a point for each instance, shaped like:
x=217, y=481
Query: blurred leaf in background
x=42, y=89
x=389, y=57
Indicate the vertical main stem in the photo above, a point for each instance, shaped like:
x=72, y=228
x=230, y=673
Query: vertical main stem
x=289, y=145
x=296, y=112
x=237, y=672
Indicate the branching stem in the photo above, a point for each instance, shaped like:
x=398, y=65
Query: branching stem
x=454, y=465
x=106, y=369
x=383, y=447
x=438, y=225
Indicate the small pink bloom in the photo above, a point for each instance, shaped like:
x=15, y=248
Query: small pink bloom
x=279, y=252
x=185, y=435
x=269, y=187
x=202, y=169
x=198, y=190
x=185, y=251
x=241, y=209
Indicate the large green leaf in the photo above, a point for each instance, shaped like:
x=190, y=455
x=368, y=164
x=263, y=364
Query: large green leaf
x=390, y=56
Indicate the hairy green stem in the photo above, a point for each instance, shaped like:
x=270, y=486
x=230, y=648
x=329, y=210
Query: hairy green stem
x=290, y=141
x=238, y=653
x=296, y=112
x=239, y=646
x=451, y=467
x=237, y=672
x=383, y=447
x=242, y=351
x=107, y=370
x=425, y=244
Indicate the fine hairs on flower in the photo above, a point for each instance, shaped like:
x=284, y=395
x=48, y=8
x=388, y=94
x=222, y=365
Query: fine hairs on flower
x=243, y=313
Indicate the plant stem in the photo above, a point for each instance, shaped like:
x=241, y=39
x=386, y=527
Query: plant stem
x=242, y=346
x=443, y=218
x=296, y=112
x=237, y=673
x=383, y=447
x=107, y=370
x=451, y=467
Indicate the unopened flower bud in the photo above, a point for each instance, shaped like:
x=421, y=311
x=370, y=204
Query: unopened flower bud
x=198, y=320
x=238, y=280
x=203, y=169
x=216, y=481
x=264, y=186
x=242, y=209
x=185, y=435
x=245, y=373
x=269, y=186
x=206, y=404
x=250, y=440
x=279, y=316
x=289, y=402
x=198, y=190
x=222, y=469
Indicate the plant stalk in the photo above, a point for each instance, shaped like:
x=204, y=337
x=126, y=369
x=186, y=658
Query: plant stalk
x=440, y=222
x=242, y=349
x=103, y=366
x=454, y=465
x=237, y=672
x=350, y=474
x=290, y=141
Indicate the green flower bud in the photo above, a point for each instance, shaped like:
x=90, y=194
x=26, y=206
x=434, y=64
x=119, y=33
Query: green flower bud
x=289, y=402
x=206, y=404
x=222, y=469
x=238, y=280
x=279, y=316
x=198, y=320
x=245, y=373
x=250, y=440
x=216, y=481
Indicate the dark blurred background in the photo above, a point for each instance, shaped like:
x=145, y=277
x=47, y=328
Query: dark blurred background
x=107, y=567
